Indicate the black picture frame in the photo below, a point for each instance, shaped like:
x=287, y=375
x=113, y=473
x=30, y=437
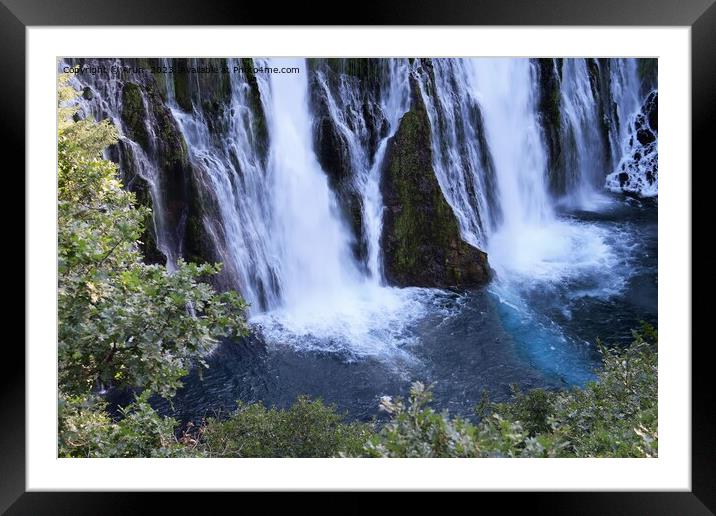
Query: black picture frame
x=699, y=15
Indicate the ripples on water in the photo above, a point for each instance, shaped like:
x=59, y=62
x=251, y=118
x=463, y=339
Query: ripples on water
x=529, y=331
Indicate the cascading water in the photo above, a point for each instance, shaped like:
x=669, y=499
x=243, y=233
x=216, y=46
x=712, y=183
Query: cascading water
x=460, y=155
x=504, y=88
x=624, y=88
x=586, y=156
x=312, y=242
x=531, y=248
x=345, y=108
x=277, y=217
x=325, y=300
x=595, y=130
x=230, y=168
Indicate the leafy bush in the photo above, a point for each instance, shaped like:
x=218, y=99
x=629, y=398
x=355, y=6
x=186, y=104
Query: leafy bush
x=416, y=430
x=306, y=429
x=122, y=322
x=614, y=416
x=86, y=430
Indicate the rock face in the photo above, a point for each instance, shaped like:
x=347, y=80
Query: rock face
x=363, y=117
x=421, y=238
x=638, y=171
x=143, y=107
x=549, y=76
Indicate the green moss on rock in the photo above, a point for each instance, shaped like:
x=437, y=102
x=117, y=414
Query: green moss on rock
x=134, y=114
x=259, y=126
x=421, y=238
x=182, y=93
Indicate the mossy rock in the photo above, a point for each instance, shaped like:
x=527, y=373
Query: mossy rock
x=134, y=114
x=182, y=92
x=421, y=237
x=549, y=106
x=259, y=126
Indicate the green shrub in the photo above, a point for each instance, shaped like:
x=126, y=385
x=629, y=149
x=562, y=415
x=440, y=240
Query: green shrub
x=614, y=416
x=122, y=322
x=306, y=429
x=86, y=430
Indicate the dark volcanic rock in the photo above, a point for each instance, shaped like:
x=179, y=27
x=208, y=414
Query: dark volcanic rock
x=421, y=238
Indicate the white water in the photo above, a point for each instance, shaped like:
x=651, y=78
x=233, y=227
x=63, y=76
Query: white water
x=231, y=170
x=504, y=89
x=280, y=232
x=326, y=303
x=291, y=249
x=458, y=158
x=531, y=246
x=586, y=165
x=313, y=244
x=345, y=109
x=625, y=92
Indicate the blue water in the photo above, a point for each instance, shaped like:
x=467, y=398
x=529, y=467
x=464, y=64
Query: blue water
x=529, y=332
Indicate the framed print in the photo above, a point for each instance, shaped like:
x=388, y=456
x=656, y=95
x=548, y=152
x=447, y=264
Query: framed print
x=433, y=251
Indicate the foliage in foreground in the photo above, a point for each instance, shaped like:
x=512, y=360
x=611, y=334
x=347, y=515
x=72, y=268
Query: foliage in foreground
x=87, y=430
x=125, y=323
x=122, y=322
x=615, y=416
x=306, y=429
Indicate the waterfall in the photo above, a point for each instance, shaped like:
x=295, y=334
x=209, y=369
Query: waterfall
x=523, y=242
x=490, y=154
x=312, y=243
x=598, y=98
x=584, y=145
x=490, y=158
x=327, y=303
x=303, y=243
x=624, y=88
x=345, y=108
x=460, y=155
x=231, y=172
x=504, y=88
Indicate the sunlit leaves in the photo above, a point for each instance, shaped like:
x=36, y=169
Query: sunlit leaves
x=86, y=430
x=122, y=322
